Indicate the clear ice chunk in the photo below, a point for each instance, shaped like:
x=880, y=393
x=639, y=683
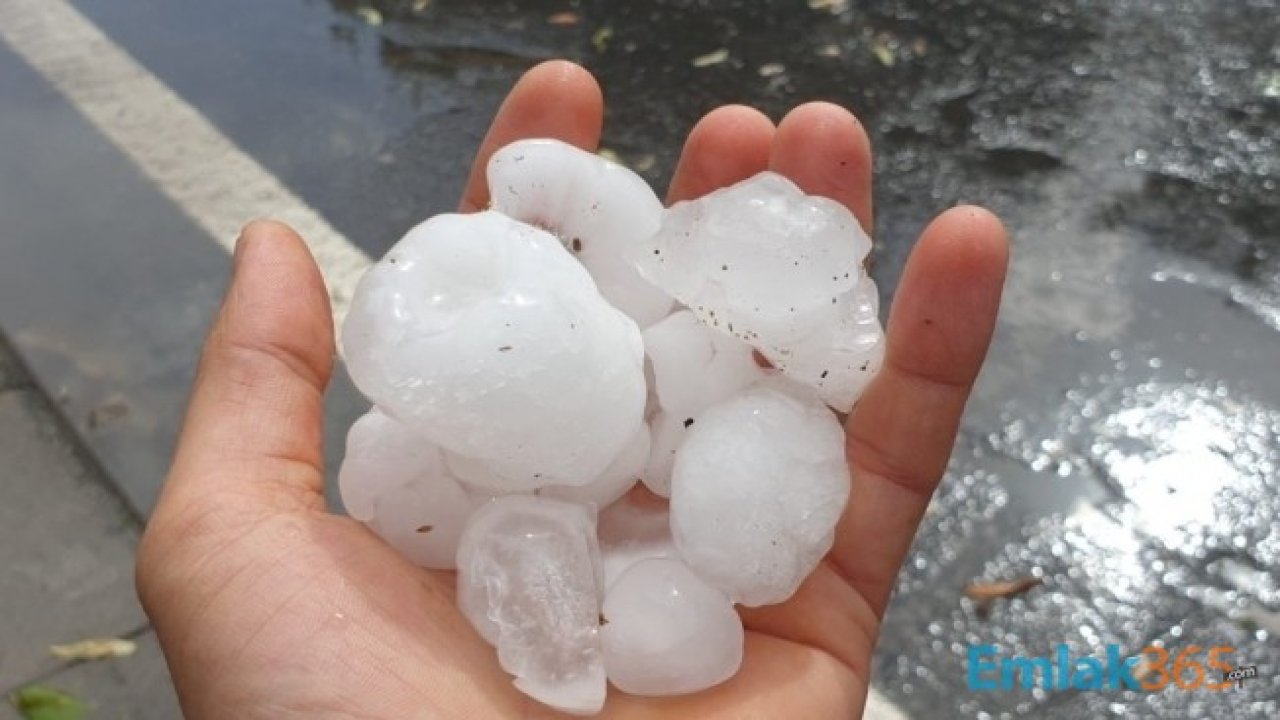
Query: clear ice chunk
x=757, y=488
x=530, y=582
x=666, y=632
x=597, y=208
x=780, y=270
x=485, y=336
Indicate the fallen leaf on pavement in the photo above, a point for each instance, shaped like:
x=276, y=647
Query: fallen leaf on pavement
x=715, y=57
x=833, y=6
x=984, y=594
x=600, y=39
x=371, y=16
x=564, y=18
x=988, y=591
x=36, y=702
x=883, y=52
x=94, y=649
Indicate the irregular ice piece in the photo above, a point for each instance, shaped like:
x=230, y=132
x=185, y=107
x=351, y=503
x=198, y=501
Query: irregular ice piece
x=694, y=366
x=840, y=360
x=485, y=336
x=636, y=527
x=529, y=581
x=666, y=632
x=617, y=479
x=766, y=263
x=396, y=483
x=758, y=486
x=597, y=208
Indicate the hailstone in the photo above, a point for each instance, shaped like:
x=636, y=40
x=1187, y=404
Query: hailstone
x=782, y=271
x=485, y=336
x=693, y=367
x=398, y=484
x=621, y=475
x=530, y=582
x=757, y=489
x=636, y=527
x=597, y=208
x=667, y=632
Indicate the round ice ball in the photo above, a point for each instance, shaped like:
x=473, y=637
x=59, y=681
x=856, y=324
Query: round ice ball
x=666, y=632
x=757, y=488
x=485, y=336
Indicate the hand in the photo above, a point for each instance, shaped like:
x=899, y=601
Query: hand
x=267, y=606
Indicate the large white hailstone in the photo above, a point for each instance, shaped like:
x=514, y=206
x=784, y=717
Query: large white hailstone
x=621, y=475
x=758, y=486
x=529, y=580
x=485, y=336
x=694, y=366
x=632, y=529
x=781, y=270
x=597, y=208
x=666, y=632
x=396, y=483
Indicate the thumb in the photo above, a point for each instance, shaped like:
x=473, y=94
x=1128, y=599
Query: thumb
x=253, y=429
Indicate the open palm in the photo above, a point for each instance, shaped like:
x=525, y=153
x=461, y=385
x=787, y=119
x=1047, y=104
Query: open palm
x=267, y=606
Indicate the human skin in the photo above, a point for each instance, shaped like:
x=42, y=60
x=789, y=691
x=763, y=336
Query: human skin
x=269, y=606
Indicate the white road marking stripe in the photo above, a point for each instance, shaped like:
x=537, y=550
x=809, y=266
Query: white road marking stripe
x=213, y=181
x=204, y=173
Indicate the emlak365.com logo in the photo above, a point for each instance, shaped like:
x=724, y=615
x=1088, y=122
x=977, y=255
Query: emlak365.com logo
x=1153, y=670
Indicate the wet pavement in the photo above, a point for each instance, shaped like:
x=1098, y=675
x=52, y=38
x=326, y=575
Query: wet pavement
x=1124, y=443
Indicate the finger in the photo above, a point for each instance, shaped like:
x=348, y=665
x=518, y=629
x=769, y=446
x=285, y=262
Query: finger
x=775, y=677
x=253, y=425
x=728, y=144
x=825, y=150
x=902, y=431
x=556, y=99
x=824, y=613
